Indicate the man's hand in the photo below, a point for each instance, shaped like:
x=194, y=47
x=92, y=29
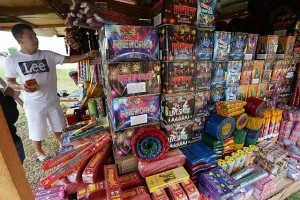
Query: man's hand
x=9, y=92
x=33, y=88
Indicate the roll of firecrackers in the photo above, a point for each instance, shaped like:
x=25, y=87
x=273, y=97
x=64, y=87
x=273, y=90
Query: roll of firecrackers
x=295, y=97
x=265, y=128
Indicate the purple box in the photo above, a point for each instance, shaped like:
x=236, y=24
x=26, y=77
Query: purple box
x=206, y=13
x=131, y=78
x=136, y=110
x=202, y=101
x=204, y=44
x=121, y=43
x=238, y=46
x=175, y=12
x=221, y=45
x=177, y=43
x=178, y=77
x=177, y=107
x=198, y=127
x=251, y=46
x=203, y=76
x=179, y=134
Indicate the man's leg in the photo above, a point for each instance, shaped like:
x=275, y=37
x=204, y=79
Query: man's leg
x=38, y=148
x=58, y=137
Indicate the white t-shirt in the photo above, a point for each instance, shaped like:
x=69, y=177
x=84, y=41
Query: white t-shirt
x=40, y=66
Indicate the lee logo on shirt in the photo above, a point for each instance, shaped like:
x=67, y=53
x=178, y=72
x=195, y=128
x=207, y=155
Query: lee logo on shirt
x=33, y=67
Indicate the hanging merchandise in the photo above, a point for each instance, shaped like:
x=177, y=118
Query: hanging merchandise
x=241, y=121
x=255, y=106
x=206, y=14
x=149, y=144
x=220, y=127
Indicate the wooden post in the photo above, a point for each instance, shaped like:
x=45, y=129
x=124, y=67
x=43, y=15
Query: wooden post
x=13, y=182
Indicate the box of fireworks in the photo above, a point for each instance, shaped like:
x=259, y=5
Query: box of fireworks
x=262, y=90
x=71, y=119
x=176, y=192
x=203, y=74
x=280, y=70
x=270, y=90
x=159, y=195
x=96, y=190
x=285, y=49
x=206, y=11
x=238, y=46
x=217, y=93
x=75, y=176
x=96, y=107
x=251, y=46
x=297, y=48
x=291, y=69
x=112, y=184
x=221, y=45
x=127, y=164
x=258, y=66
x=131, y=78
x=40, y=190
x=121, y=43
x=204, y=45
x=269, y=64
x=252, y=90
x=243, y=92
x=173, y=159
x=121, y=140
x=131, y=111
x=202, y=100
x=130, y=180
x=231, y=93
x=266, y=76
x=233, y=73
x=198, y=127
x=53, y=196
x=72, y=127
x=190, y=189
x=267, y=47
x=246, y=73
x=167, y=178
x=137, y=193
x=286, y=88
x=81, y=194
x=218, y=75
x=179, y=133
x=177, y=42
x=178, y=77
x=231, y=106
x=175, y=12
x=177, y=107
x=93, y=171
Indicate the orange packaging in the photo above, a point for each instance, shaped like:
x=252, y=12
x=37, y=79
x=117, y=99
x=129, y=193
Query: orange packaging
x=31, y=83
x=177, y=192
x=191, y=190
x=137, y=193
x=112, y=184
x=160, y=195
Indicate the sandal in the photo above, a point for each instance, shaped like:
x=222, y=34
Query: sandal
x=42, y=158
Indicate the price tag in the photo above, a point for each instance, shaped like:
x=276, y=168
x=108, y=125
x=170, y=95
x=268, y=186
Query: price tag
x=289, y=75
x=261, y=56
x=248, y=57
x=255, y=81
x=136, y=87
x=140, y=119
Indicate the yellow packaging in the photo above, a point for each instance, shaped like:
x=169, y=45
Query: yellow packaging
x=254, y=123
x=238, y=146
x=167, y=178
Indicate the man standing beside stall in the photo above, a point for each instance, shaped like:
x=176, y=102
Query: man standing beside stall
x=37, y=72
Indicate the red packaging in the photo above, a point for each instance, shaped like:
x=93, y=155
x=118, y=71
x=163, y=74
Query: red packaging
x=176, y=192
x=255, y=106
x=96, y=190
x=174, y=158
x=94, y=169
x=138, y=193
x=129, y=181
x=159, y=195
x=112, y=184
x=191, y=190
x=76, y=175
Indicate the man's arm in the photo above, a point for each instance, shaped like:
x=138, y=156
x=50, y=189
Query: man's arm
x=76, y=58
x=12, y=82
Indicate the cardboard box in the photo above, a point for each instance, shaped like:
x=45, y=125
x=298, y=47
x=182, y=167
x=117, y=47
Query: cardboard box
x=126, y=164
x=251, y=46
x=206, y=13
x=177, y=107
x=178, y=77
x=175, y=12
x=159, y=195
x=221, y=45
x=198, y=127
x=136, y=194
x=112, y=184
x=285, y=48
x=190, y=189
x=121, y=43
x=203, y=74
x=204, y=44
x=218, y=75
x=234, y=69
x=176, y=192
x=177, y=42
x=246, y=73
x=202, y=102
x=238, y=46
x=267, y=47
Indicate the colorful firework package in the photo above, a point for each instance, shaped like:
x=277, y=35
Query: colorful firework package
x=258, y=66
x=198, y=127
x=131, y=111
x=218, y=75
x=206, y=13
x=251, y=46
x=178, y=77
x=233, y=73
x=221, y=45
x=231, y=93
x=202, y=101
x=291, y=69
x=262, y=90
x=128, y=43
x=132, y=78
x=179, y=133
x=267, y=47
x=177, y=107
x=280, y=70
x=203, y=77
x=255, y=106
x=175, y=12
x=246, y=73
x=297, y=48
x=266, y=76
x=204, y=44
x=217, y=93
x=285, y=49
x=238, y=46
x=177, y=42
x=243, y=92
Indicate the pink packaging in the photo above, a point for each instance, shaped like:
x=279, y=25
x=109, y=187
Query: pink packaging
x=190, y=189
x=176, y=192
x=159, y=195
x=53, y=196
x=174, y=158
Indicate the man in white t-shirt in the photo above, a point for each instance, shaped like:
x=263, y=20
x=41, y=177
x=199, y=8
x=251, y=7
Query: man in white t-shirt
x=41, y=103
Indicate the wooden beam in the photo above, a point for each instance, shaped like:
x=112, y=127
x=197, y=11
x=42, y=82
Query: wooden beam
x=58, y=8
x=33, y=10
x=17, y=19
x=8, y=28
x=55, y=32
x=13, y=182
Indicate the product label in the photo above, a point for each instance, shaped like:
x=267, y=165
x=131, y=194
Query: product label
x=140, y=119
x=136, y=87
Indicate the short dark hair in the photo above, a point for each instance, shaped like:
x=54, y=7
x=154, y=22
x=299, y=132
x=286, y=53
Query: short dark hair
x=17, y=30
